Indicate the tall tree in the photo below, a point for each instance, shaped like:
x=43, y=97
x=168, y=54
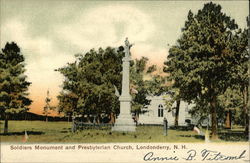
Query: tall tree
x=240, y=71
x=13, y=83
x=199, y=63
x=144, y=83
x=88, y=88
x=137, y=85
x=47, y=108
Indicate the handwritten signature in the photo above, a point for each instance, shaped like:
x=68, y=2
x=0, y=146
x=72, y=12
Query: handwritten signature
x=204, y=155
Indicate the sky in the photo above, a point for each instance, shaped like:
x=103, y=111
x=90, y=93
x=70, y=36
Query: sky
x=51, y=32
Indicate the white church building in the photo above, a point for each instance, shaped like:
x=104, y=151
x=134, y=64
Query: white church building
x=156, y=111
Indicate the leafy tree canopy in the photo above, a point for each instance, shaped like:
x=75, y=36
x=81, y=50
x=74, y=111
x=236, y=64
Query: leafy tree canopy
x=201, y=62
x=89, y=82
x=13, y=82
x=89, y=85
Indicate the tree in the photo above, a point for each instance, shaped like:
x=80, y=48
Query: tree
x=240, y=71
x=137, y=85
x=144, y=83
x=231, y=102
x=13, y=83
x=47, y=108
x=67, y=103
x=88, y=88
x=174, y=97
x=90, y=82
x=200, y=63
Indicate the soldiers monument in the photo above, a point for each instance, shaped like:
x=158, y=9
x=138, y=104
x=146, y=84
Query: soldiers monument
x=124, y=122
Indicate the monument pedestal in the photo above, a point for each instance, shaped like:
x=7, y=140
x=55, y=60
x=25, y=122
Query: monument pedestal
x=124, y=122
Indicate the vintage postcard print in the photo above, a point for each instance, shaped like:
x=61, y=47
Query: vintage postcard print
x=124, y=81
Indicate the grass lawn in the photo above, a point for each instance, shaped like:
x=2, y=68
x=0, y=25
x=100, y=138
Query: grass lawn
x=46, y=132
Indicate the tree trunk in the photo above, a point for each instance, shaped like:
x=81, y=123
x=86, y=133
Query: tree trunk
x=245, y=109
x=228, y=120
x=177, y=113
x=137, y=117
x=247, y=124
x=214, y=118
x=6, y=125
x=98, y=119
x=114, y=116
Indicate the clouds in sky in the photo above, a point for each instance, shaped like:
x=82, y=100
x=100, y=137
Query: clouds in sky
x=98, y=27
x=50, y=33
x=107, y=26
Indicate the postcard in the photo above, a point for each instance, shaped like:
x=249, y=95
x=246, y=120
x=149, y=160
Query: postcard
x=124, y=81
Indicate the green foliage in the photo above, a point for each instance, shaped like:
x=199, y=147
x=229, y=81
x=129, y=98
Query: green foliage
x=13, y=83
x=151, y=68
x=156, y=84
x=139, y=95
x=171, y=97
x=201, y=62
x=241, y=76
x=232, y=100
x=89, y=82
x=145, y=82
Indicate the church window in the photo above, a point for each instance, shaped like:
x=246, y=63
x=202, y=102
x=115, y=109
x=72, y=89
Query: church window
x=160, y=110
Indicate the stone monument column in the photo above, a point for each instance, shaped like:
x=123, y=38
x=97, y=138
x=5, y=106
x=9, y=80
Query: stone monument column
x=124, y=122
